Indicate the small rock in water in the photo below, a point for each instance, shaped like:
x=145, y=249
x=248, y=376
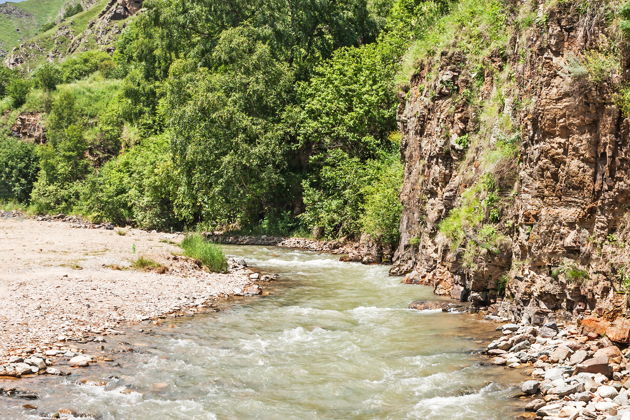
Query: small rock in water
x=534, y=405
x=498, y=361
x=530, y=387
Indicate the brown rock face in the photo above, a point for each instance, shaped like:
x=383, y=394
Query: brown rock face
x=562, y=218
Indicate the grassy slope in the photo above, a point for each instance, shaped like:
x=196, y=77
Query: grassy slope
x=40, y=11
x=46, y=40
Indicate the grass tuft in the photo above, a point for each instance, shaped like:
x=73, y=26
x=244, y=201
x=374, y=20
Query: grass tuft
x=210, y=255
x=146, y=264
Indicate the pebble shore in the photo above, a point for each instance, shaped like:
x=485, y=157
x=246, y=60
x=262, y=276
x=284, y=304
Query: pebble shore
x=576, y=375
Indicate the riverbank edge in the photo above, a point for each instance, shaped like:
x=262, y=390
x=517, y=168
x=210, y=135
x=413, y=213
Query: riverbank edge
x=43, y=358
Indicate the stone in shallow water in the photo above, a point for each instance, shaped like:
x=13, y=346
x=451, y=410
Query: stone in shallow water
x=82, y=360
x=534, y=405
x=530, y=387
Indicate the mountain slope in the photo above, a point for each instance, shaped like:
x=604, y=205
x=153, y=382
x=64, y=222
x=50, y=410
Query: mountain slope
x=21, y=21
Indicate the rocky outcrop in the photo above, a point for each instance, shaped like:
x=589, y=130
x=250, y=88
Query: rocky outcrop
x=517, y=169
x=11, y=10
x=29, y=127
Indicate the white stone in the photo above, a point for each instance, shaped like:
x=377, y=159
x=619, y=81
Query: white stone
x=81, y=360
x=606, y=391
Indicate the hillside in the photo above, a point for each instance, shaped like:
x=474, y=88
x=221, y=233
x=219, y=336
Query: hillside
x=92, y=24
x=516, y=142
x=21, y=21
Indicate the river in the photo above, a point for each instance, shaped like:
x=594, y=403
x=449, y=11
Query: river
x=333, y=341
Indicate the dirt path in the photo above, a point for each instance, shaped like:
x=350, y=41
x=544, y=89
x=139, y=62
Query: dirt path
x=59, y=282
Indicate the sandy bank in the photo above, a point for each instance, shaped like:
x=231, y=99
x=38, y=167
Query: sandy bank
x=59, y=282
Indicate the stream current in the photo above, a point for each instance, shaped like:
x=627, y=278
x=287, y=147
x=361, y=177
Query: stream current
x=333, y=341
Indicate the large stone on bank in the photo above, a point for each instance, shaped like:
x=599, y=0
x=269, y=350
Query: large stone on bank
x=554, y=373
x=606, y=391
x=567, y=389
x=559, y=354
x=530, y=387
x=611, y=352
x=22, y=369
x=619, y=331
x=578, y=357
x=550, y=410
x=37, y=362
x=509, y=328
x=595, y=365
x=595, y=325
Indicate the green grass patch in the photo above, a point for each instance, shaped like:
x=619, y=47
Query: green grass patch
x=147, y=264
x=211, y=256
x=479, y=26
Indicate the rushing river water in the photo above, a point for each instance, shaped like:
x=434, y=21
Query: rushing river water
x=333, y=341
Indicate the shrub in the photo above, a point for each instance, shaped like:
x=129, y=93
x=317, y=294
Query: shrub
x=625, y=22
x=6, y=76
x=81, y=65
x=47, y=77
x=18, y=169
x=210, y=255
x=17, y=90
x=47, y=26
x=502, y=285
x=623, y=101
x=139, y=187
x=63, y=168
x=72, y=10
x=333, y=194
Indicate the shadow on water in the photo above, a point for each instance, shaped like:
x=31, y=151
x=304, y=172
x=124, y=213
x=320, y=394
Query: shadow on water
x=333, y=340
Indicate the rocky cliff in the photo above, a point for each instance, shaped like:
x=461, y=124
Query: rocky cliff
x=517, y=171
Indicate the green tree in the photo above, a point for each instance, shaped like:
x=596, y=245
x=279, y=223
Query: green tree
x=47, y=76
x=17, y=89
x=18, y=169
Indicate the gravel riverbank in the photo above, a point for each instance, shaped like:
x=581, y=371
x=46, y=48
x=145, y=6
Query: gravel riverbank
x=576, y=374
x=63, y=283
